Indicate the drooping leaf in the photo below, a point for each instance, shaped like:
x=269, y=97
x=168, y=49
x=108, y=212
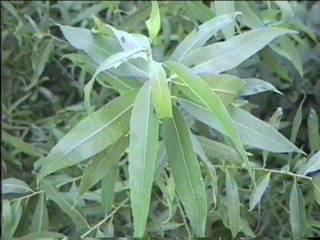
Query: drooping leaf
x=225, y=7
x=186, y=171
x=253, y=131
x=160, y=92
x=297, y=212
x=257, y=193
x=113, y=61
x=313, y=164
x=233, y=203
x=223, y=56
x=13, y=185
x=103, y=164
x=64, y=204
x=255, y=86
x=154, y=22
x=249, y=17
x=20, y=145
x=40, y=220
x=90, y=137
x=286, y=10
x=202, y=93
x=197, y=38
x=144, y=130
x=11, y=216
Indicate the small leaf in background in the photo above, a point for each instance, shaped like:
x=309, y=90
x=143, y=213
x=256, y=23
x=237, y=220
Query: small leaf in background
x=108, y=184
x=42, y=235
x=249, y=17
x=197, y=38
x=88, y=137
x=225, y=7
x=144, y=132
x=186, y=171
x=11, y=215
x=154, y=22
x=13, y=185
x=63, y=204
x=313, y=164
x=20, y=145
x=297, y=212
x=297, y=121
x=257, y=193
x=233, y=203
x=40, y=220
x=160, y=92
x=255, y=86
x=313, y=130
x=103, y=164
x=286, y=10
x=223, y=56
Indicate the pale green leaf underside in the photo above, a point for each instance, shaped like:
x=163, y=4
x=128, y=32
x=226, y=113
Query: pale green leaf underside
x=144, y=130
x=186, y=171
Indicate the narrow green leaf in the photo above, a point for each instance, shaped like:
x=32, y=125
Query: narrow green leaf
x=257, y=193
x=42, y=235
x=63, y=204
x=160, y=92
x=89, y=137
x=223, y=56
x=297, y=212
x=40, y=220
x=313, y=163
x=186, y=171
x=255, y=86
x=297, y=121
x=144, y=131
x=13, y=185
x=286, y=10
x=313, y=130
x=233, y=203
x=108, y=184
x=154, y=22
x=253, y=131
x=88, y=12
x=197, y=38
x=11, y=216
x=43, y=59
x=103, y=164
x=288, y=50
x=316, y=189
x=225, y=7
x=202, y=92
x=20, y=145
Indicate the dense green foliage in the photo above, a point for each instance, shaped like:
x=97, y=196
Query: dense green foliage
x=160, y=120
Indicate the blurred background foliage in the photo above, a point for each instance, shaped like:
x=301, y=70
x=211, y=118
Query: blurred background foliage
x=42, y=97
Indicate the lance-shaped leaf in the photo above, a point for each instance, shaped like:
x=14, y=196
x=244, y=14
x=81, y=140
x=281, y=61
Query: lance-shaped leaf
x=225, y=7
x=64, y=204
x=13, y=185
x=258, y=192
x=253, y=131
x=223, y=56
x=204, y=95
x=40, y=220
x=313, y=130
x=144, y=131
x=160, y=92
x=249, y=17
x=233, y=203
x=42, y=235
x=297, y=212
x=108, y=184
x=154, y=22
x=103, y=164
x=90, y=137
x=186, y=171
x=255, y=86
x=313, y=164
x=316, y=189
x=20, y=145
x=297, y=121
x=198, y=37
